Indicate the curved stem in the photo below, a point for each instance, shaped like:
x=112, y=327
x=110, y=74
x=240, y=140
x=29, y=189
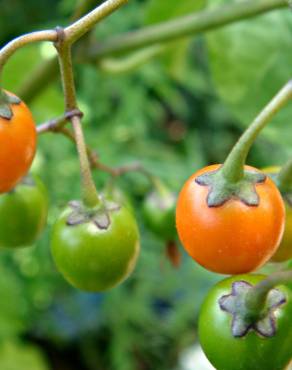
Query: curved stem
x=130, y=62
x=90, y=196
x=8, y=50
x=57, y=126
x=46, y=72
x=284, y=178
x=83, y=7
x=202, y=21
x=233, y=166
x=166, y=31
x=72, y=33
x=83, y=25
x=257, y=296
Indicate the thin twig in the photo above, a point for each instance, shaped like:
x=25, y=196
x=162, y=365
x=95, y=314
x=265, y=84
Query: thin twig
x=71, y=33
x=189, y=25
x=47, y=71
x=57, y=125
x=205, y=20
x=8, y=50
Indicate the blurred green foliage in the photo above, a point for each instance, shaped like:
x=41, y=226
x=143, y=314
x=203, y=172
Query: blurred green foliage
x=174, y=114
x=16, y=354
x=254, y=67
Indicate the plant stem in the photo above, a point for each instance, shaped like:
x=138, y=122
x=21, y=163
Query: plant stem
x=257, y=296
x=66, y=69
x=284, y=178
x=198, y=22
x=72, y=33
x=130, y=62
x=8, y=50
x=83, y=7
x=233, y=167
x=83, y=25
x=46, y=72
x=89, y=193
x=57, y=126
x=90, y=196
x=53, y=125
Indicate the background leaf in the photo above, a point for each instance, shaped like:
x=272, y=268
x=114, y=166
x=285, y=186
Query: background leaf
x=248, y=68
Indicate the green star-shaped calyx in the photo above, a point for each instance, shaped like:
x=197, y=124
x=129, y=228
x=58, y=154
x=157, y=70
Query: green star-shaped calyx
x=6, y=100
x=99, y=216
x=242, y=323
x=220, y=190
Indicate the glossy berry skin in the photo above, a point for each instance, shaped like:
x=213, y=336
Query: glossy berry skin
x=92, y=259
x=159, y=215
x=23, y=213
x=233, y=238
x=251, y=352
x=18, y=144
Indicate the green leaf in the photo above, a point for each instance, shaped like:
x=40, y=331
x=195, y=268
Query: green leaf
x=249, y=67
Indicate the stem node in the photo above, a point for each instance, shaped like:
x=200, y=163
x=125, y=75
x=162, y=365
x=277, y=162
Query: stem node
x=73, y=113
x=61, y=36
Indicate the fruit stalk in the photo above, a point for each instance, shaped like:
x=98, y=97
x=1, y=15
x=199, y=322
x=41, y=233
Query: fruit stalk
x=181, y=27
x=152, y=35
x=8, y=50
x=256, y=298
x=90, y=196
x=72, y=33
x=233, y=167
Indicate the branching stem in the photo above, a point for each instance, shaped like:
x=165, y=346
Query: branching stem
x=185, y=26
x=158, y=34
x=71, y=34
